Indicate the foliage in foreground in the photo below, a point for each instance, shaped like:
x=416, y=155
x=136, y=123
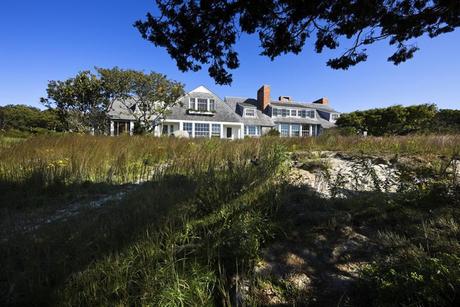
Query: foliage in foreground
x=194, y=232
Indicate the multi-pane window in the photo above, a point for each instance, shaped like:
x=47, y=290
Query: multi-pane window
x=334, y=116
x=251, y=130
x=202, y=104
x=305, y=130
x=249, y=112
x=215, y=131
x=192, y=104
x=284, y=130
x=295, y=130
x=275, y=112
x=293, y=112
x=212, y=105
x=307, y=113
x=284, y=112
x=201, y=130
x=188, y=128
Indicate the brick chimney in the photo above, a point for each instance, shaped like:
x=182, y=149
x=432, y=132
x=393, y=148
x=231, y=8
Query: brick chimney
x=263, y=97
x=323, y=100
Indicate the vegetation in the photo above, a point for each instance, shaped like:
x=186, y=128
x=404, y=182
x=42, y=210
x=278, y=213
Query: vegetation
x=83, y=101
x=26, y=119
x=400, y=120
x=197, y=33
x=195, y=218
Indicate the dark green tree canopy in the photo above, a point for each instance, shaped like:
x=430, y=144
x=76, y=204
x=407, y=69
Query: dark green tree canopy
x=400, y=120
x=204, y=32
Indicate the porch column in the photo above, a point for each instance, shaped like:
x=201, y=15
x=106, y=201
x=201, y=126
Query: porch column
x=193, y=130
x=131, y=127
x=112, y=128
x=181, y=126
x=311, y=130
x=221, y=131
x=210, y=126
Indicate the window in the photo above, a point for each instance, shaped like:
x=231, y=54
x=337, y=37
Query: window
x=202, y=104
x=284, y=130
x=303, y=113
x=295, y=130
x=215, y=131
x=334, y=116
x=284, y=112
x=212, y=105
x=188, y=127
x=293, y=112
x=165, y=129
x=305, y=130
x=191, y=103
x=251, y=130
x=311, y=114
x=249, y=112
x=275, y=112
x=201, y=130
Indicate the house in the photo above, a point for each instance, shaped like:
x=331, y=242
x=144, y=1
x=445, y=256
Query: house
x=290, y=118
x=201, y=113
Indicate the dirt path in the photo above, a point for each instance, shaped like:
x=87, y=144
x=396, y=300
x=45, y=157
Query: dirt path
x=31, y=221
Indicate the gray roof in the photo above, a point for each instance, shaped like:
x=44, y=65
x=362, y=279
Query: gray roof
x=296, y=120
x=260, y=119
x=223, y=111
x=294, y=104
x=119, y=110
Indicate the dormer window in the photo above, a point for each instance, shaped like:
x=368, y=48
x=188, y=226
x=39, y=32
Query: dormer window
x=249, y=112
x=201, y=105
x=334, y=116
x=307, y=113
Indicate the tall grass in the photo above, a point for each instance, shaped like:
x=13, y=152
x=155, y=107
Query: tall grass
x=166, y=243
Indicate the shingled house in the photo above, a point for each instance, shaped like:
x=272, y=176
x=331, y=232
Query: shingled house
x=201, y=113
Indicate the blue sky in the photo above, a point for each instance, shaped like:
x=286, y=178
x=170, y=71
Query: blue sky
x=53, y=40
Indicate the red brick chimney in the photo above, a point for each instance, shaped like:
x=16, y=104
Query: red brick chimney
x=323, y=100
x=263, y=97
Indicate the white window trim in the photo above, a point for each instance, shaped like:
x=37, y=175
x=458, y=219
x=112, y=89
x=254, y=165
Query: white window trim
x=249, y=109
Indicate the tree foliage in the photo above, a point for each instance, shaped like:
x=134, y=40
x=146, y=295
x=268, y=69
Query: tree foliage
x=80, y=102
x=30, y=119
x=83, y=101
x=400, y=120
x=205, y=32
x=147, y=96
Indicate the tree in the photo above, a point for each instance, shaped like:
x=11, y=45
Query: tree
x=80, y=102
x=394, y=120
x=204, y=32
x=147, y=96
x=30, y=119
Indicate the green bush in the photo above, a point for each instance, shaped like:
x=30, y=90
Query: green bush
x=424, y=281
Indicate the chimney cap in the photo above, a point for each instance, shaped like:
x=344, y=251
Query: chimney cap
x=284, y=98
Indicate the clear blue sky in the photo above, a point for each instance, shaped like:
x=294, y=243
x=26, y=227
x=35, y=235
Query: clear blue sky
x=53, y=40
